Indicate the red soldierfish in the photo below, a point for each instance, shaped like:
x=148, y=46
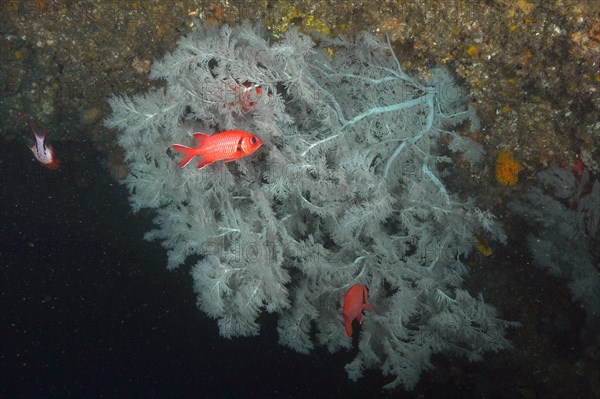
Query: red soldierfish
x=225, y=146
x=355, y=300
x=248, y=94
x=43, y=153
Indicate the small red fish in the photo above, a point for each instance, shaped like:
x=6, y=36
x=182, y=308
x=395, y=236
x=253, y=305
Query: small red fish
x=225, y=146
x=355, y=301
x=248, y=94
x=42, y=152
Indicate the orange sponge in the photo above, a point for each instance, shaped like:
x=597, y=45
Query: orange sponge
x=507, y=169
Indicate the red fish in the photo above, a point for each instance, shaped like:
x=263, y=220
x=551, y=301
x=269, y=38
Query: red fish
x=225, y=146
x=355, y=301
x=42, y=152
x=247, y=95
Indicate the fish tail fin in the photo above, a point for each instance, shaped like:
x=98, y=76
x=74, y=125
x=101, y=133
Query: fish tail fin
x=39, y=134
x=187, y=152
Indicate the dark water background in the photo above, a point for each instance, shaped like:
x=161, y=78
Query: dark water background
x=89, y=310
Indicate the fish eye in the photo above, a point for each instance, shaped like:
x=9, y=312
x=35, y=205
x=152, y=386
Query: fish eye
x=253, y=140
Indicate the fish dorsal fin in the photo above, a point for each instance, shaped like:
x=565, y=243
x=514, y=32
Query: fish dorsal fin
x=200, y=137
